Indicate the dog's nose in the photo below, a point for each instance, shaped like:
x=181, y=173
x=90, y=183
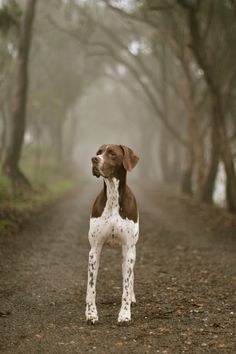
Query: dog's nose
x=95, y=159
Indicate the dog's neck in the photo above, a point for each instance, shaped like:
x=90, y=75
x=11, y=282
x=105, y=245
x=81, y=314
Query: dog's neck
x=114, y=188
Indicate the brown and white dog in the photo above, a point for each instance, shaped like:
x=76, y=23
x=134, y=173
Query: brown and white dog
x=114, y=219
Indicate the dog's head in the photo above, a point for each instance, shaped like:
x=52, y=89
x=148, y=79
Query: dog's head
x=110, y=159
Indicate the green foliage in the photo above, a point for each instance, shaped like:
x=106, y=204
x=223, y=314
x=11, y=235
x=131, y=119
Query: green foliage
x=9, y=16
x=49, y=185
x=5, y=188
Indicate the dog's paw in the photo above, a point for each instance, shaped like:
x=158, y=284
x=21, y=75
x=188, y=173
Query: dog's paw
x=124, y=317
x=125, y=323
x=92, y=321
x=91, y=314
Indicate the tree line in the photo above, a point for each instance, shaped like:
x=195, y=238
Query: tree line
x=177, y=57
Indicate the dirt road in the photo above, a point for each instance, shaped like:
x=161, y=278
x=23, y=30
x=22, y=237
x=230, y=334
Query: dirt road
x=185, y=279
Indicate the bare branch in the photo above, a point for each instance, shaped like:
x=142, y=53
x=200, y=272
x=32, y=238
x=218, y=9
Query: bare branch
x=148, y=93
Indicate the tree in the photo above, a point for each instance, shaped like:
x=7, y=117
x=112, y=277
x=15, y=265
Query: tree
x=18, y=117
x=9, y=30
x=198, y=45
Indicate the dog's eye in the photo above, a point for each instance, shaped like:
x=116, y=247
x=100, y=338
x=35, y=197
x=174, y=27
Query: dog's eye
x=99, y=152
x=112, y=154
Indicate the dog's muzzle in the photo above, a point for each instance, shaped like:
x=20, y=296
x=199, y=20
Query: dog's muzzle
x=96, y=161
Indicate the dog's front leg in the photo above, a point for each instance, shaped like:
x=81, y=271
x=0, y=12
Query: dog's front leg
x=129, y=255
x=93, y=265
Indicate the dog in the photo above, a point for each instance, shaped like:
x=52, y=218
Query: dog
x=114, y=220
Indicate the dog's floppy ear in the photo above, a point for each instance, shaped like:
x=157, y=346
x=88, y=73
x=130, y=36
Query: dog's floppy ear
x=130, y=159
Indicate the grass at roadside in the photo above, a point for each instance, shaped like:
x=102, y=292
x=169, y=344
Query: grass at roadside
x=15, y=210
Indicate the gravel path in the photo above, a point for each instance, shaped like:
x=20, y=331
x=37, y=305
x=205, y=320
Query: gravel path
x=185, y=279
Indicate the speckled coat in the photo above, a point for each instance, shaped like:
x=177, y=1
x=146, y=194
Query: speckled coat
x=114, y=221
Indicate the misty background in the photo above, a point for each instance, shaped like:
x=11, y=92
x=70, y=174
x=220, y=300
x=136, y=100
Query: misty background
x=157, y=76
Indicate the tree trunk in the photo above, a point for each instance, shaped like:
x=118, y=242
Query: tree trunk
x=209, y=184
x=194, y=135
x=3, y=134
x=13, y=153
x=195, y=138
x=225, y=152
x=187, y=175
x=189, y=163
x=165, y=139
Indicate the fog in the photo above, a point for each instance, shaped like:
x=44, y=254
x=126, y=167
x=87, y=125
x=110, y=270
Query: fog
x=126, y=72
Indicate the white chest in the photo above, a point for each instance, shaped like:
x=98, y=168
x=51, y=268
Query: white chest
x=110, y=227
